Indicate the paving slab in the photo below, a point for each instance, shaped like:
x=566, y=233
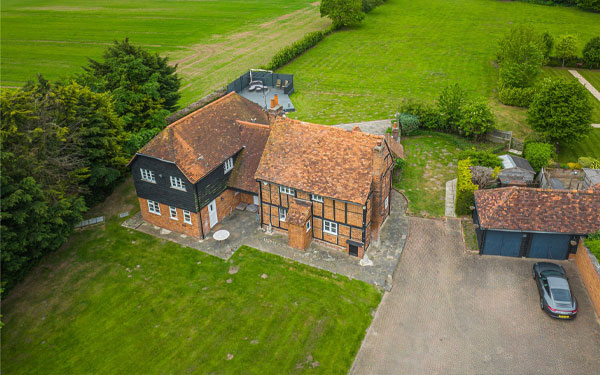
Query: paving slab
x=449, y=210
x=377, y=127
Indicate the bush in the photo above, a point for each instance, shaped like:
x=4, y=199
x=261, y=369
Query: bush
x=477, y=119
x=520, y=56
x=429, y=116
x=369, y=5
x=548, y=44
x=449, y=104
x=480, y=157
x=464, y=188
x=574, y=165
x=516, y=96
x=287, y=54
x=408, y=123
x=342, y=12
x=593, y=243
x=566, y=47
x=399, y=164
x=587, y=162
x=591, y=53
x=593, y=5
x=538, y=155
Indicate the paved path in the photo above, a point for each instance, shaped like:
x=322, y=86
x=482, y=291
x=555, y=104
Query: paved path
x=585, y=83
x=455, y=313
x=373, y=127
x=450, y=198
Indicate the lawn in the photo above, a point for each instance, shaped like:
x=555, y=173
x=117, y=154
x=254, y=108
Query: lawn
x=564, y=74
x=430, y=162
x=116, y=301
x=589, y=146
x=592, y=76
x=213, y=41
x=414, y=49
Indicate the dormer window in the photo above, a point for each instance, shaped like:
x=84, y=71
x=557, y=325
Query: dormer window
x=147, y=175
x=287, y=190
x=177, y=183
x=228, y=165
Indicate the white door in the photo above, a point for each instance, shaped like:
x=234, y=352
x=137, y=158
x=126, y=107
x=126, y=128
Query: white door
x=212, y=213
x=256, y=200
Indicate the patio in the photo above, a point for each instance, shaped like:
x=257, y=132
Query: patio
x=264, y=97
x=244, y=230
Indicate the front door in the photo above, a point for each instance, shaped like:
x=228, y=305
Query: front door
x=353, y=250
x=212, y=213
x=256, y=200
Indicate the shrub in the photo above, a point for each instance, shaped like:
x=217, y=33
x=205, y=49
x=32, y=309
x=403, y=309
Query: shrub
x=287, y=54
x=449, y=104
x=342, y=12
x=516, y=96
x=408, y=123
x=593, y=243
x=520, y=57
x=574, y=165
x=591, y=53
x=548, y=44
x=476, y=118
x=538, y=154
x=587, y=162
x=482, y=176
x=480, y=157
x=399, y=164
x=593, y=5
x=566, y=47
x=429, y=116
x=464, y=188
x=369, y=5
x=560, y=110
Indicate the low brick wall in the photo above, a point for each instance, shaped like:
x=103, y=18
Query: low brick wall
x=590, y=273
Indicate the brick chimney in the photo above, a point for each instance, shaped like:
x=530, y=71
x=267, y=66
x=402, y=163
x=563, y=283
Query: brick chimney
x=395, y=132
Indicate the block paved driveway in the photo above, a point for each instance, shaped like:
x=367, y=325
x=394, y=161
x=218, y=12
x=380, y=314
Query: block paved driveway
x=456, y=313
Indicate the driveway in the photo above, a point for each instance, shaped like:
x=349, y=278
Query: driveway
x=455, y=313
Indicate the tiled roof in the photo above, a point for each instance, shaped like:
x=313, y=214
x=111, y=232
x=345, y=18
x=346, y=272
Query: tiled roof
x=204, y=139
x=298, y=212
x=539, y=210
x=395, y=147
x=253, y=137
x=319, y=159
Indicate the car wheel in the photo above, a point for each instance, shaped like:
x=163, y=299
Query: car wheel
x=541, y=303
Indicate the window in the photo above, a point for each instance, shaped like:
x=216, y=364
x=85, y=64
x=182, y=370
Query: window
x=177, y=183
x=330, y=227
x=287, y=190
x=316, y=198
x=173, y=212
x=282, y=214
x=154, y=207
x=386, y=202
x=187, y=217
x=147, y=175
x=228, y=165
x=308, y=225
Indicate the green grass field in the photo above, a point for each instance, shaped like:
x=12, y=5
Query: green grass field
x=592, y=76
x=116, y=301
x=589, y=146
x=213, y=41
x=414, y=49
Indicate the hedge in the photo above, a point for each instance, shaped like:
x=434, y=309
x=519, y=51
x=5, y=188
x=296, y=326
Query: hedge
x=465, y=188
x=515, y=96
x=287, y=54
x=538, y=155
x=408, y=123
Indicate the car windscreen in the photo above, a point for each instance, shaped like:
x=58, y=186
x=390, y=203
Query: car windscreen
x=562, y=295
x=551, y=273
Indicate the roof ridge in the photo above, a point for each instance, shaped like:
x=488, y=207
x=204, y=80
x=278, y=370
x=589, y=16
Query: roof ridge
x=201, y=108
x=241, y=122
x=334, y=128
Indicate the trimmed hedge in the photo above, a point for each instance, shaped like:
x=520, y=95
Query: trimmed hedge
x=287, y=54
x=408, y=123
x=465, y=188
x=481, y=157
x=516, y=96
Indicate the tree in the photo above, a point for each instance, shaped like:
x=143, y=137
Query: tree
x=520, y=57
x=143, y=85
x=593, y=5
x=566, y=47
x=548, y=44
x=449, y=104
x=538, y=155
x=476, y=118
x=342, y=12
x=482, y=176
x=591, y=53
x=560, y=111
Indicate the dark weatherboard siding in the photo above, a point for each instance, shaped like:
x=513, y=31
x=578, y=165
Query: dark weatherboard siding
x=161, y=191
x=213, y=184
x=549, y=246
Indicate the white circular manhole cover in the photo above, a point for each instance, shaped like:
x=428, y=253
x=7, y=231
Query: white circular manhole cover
x=221, y=235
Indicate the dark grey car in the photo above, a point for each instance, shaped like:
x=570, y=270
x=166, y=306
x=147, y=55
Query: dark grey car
x=555, y=294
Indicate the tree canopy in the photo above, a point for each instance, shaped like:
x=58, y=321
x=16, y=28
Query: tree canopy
x=343, y=12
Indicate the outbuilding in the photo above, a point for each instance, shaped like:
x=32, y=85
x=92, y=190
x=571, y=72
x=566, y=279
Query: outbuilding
x=534, y=223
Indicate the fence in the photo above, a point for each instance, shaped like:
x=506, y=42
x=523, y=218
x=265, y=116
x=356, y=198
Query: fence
x=85, y=223
x=267, y=78
x=499, y=136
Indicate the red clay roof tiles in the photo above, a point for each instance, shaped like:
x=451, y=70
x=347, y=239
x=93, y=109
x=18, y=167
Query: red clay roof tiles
x=539, y=210
x=254, y=137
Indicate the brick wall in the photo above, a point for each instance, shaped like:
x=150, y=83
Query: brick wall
x=589, y=274
x=164, y=219
x=226, y=203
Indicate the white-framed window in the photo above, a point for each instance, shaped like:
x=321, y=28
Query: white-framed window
x=330, y=227
x=153, y=207
x=316, y=198
x=308, y=225
x=287, y=190
x=177, y=183
x=173, y=212
x=386, y=202
x=282, y=214
x=147, y=175
x=187, y=217
x=228, y=165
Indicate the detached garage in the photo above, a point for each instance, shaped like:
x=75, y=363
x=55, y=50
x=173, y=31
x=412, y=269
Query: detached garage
x=534, y=223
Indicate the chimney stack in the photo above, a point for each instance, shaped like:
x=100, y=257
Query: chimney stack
x=395, y=132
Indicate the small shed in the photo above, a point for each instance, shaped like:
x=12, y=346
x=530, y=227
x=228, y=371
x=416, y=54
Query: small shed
x=591, y=177
x=534, y=223
x=517, y=171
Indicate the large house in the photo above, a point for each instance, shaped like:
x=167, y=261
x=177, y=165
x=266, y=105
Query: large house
x=308, y=180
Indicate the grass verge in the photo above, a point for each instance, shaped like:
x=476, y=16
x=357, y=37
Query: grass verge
x=469, y=234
